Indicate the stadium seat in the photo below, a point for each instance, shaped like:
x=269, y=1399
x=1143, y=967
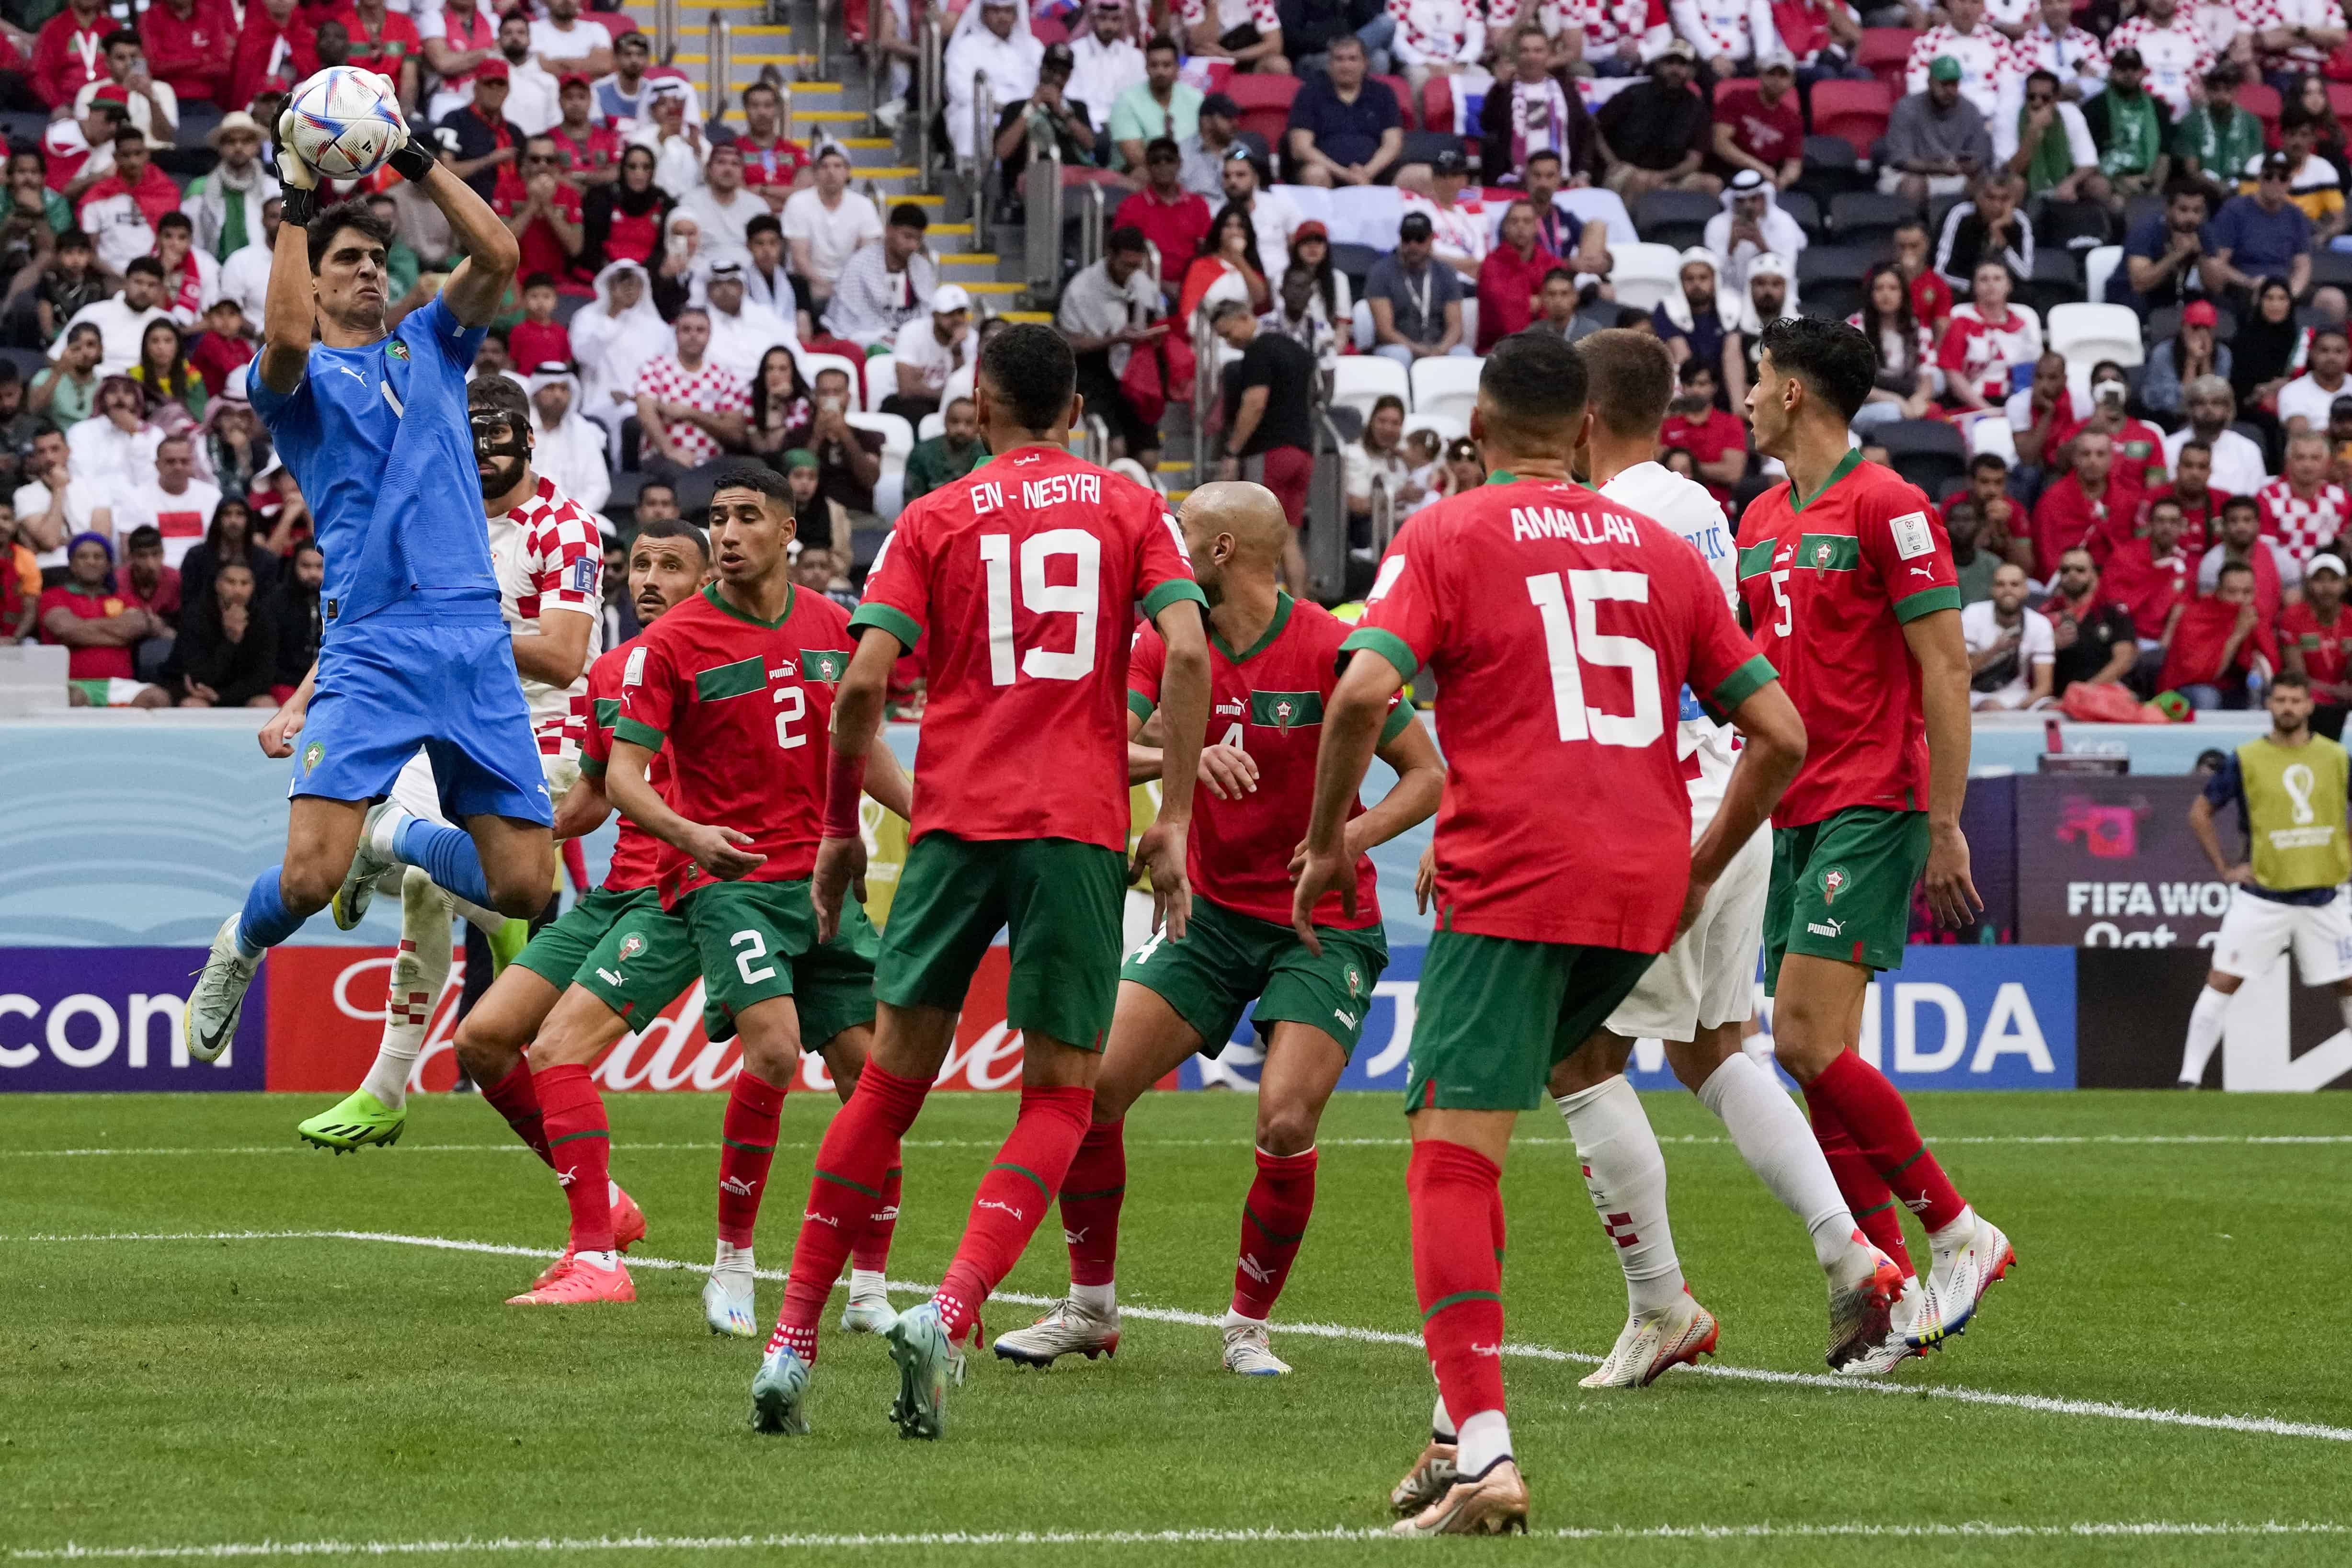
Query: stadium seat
x=2086, y=333
x=1645, y=274
x=2139, y=209
x=881, y=380
x=1679, y=218
x=1314, y=205
x=2331, y=266
x=1867, y=218
x=1357, y=262
x=1469, y=317
x=898, y=436
x=1598, y=202
x=1445, y=426
x=811, y=364
x=1265, y=102
x=934, y=423
x=2099, y=264
x=1854, y=111
x=1886, y=54
x=1806, y=211
x=1923, y=450
x=1360, y=380
x=2261, y=102
x=1447, y=386
x=1406, y=108
x=1367, y=215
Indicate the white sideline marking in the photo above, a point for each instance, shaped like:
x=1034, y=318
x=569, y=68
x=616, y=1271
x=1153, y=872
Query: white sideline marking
x=2263, y=1425
x=1974, y=1529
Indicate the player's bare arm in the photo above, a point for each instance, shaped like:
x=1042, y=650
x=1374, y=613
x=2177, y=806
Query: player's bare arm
x=714, y=849
x=277, y=736
x=477, y=282
x=1411, y=802
x=583, y=809
x=1228, y=770
x=1359, y=705
x=857, y=724
x=560, y=649
x=1767, y=765
x=1184, y=702
x=287, y=312
x=1943, y=658
x=2200, y=828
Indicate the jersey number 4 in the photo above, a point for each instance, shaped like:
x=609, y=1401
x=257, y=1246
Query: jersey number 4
x=1570, y=644
x=1081, y=600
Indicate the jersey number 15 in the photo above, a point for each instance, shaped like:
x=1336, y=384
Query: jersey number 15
x=1569, y=645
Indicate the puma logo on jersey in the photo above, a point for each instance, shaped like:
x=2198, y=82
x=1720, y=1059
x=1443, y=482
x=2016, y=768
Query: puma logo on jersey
x=1922, y=572
x=737, y=1185
x=353, y=375
x=1343, y=1018
x=1255, y=1269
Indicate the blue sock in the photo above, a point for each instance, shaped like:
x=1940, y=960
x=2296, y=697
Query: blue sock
x=266, y=921
x=447, y=855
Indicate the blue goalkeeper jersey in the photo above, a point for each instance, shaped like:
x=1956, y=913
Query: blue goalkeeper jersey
x=377, y=438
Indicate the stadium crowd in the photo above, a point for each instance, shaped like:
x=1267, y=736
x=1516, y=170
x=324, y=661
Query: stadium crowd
x=2141, y=517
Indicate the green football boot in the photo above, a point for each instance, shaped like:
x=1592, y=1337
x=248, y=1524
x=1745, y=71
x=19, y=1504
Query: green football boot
x=359, y=1121
x=927, y=1363
x=777, y=1391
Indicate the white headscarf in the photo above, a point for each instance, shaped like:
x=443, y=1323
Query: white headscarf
x=609, y=348
x=1677, y=304
x=1766, y=265
x=959, y=66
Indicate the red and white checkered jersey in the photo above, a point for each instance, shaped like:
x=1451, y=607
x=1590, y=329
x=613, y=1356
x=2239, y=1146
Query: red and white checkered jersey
x=548, y=555
x=1989, y=62
x=1974, y=352
x=2302, y=523
x=1231, y=13
x=2064, y=55
x=714, y=389
x=1433, y=32
x=2176, y=56
x=2010, y=13
x=1607, y=21
x=2220, y=25
x=1735, y=27
x=1459, y=230
x=2263, y=15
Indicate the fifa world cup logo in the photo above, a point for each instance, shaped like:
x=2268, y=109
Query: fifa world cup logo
x=2298, y=783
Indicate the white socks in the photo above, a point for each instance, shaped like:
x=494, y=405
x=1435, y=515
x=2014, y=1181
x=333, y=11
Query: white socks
x=2205, y=1033
x=1485, y=1442
x=866, y=1285
x=387, y=829
x=1440, y=1425
x=606, y=1260
x=732, y=1260
x=1773, y=1137
x=419, y=971
x=1095, y=1301
x=1626, y=1175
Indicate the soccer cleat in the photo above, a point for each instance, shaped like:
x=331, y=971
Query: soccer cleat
x=1885, y=1355
x=1431, y=1476
x=580, y=1284
x=628, y=1221
x=1492, y=1504
x=1247, y=1352
x=554, y=1270
x=217, y=999
x=867, y=1313
x=1973, y=1262
x=1068, y=1329
x=727, y=1302
x=927, y=1363
x=1858, y=1308
x=1651, y=1342
x=777, y=1390
x=349, y=903
x=359, y=1120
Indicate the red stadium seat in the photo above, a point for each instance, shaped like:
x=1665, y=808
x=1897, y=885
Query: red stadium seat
x=1265, y=102
x=1735, y=84
x=1854, y=111
x=2339, y=98
x=1885, y=53
x=1049, y=30
x=1405, y=105
x=2261, y=102
x=1437, y=105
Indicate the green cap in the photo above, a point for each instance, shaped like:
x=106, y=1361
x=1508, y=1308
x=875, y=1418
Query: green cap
x=799, y=457
x=1943, y=67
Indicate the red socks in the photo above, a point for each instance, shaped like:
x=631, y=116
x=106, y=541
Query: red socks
x=1273, y=1222
x=747, y=1147
x=1457, y=1272
x=1872, y=1113
x=871, y=1252
x=517, y=1099
x=1013, y=1197
x=853, y=1161
x=1868, y=1198
x=1091, y=1194
x=581, y=1150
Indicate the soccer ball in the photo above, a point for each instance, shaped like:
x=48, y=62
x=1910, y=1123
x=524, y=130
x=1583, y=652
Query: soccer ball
x=344, y=122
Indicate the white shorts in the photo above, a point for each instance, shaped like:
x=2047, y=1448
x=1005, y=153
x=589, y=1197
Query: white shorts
x=2255, y=930
x=1708, y=977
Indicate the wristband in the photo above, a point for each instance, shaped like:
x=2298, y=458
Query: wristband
x=411, y=162
x=299, y=207
x=844, y=780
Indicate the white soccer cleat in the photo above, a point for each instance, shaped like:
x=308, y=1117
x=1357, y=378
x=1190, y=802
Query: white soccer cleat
x=1651, y=1342
x=869, y=1312
x=727, y=1301
x=1895, y=1348
x=1861, y=1301
x=1068, y=1329
x=1495, y=1503
x=349, y=903
x=1431, y=1477
x=217, y=999
x=1972, y=1259
x=1247, y=1352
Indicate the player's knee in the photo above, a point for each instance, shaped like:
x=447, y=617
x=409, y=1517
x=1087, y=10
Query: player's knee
x=485, y=1058
x=1285, y=1129
x=305, y=886
x=1802, y=1052
x=771, y=1056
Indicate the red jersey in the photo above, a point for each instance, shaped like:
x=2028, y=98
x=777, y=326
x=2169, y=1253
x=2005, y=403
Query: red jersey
x=2201, y=521
x=746, y=703
x=2065, y=516
x=1499, y=586
x=68, y=54
x=1769, y=133
x=1931, y=297
x=2146, y=587
x=1706, y=440
x=1027, y=572
x=271, y=56
x=1267, y=700
x=2205, y=629
x=530, y=344
x=2327, y=649
x=1976, y=351
x=382, y=49
x=636, y=854
x=189, y=54
x=600, y=150
x=1829, y=587
x=542, y=251
x=100, y=663
x=779, y=163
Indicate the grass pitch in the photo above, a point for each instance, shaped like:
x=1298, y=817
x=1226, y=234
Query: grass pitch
x=2159, y=1382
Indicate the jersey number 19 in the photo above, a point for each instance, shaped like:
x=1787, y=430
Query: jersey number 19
x=1080, y=600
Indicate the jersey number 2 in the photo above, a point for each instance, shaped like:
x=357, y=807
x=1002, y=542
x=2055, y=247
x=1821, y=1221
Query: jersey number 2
x=1570, y=646
x=1080, y=601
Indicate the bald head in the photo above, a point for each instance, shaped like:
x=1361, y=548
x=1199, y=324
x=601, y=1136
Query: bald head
x=1233, y=527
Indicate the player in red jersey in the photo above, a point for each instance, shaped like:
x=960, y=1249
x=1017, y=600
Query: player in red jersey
x=1179, y=995
x=615, y=959
x=2315, y=638
x=1561, y=628
x=736, y=684
x=1847, y=579
x=1026, y=574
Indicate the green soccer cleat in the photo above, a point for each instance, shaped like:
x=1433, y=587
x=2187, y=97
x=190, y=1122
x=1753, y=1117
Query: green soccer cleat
x=927, y=1363
x=777, y=1390
x=359, y=1121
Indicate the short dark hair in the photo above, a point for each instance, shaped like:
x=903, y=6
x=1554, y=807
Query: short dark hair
x=1125, y=239
x=2241, y=503
x=2282, y=678
x=2331, y=332
x=1538, y=155
x=1988, y=462
x=147, y=266
x=906, y=215
x=352, y=214
x=2034, y=75
x=2230, y=566
x=1163, y=42
x=1695, y=367
x=1533, y=384
x=674, y=529
x=1030, y=366
x=540, y=280
x=120, y=36
x=746, y=475
x=174, y=221
x=2176, y=189
x=656, y=484
x=1160, y=147
x=765, y=224
x=1835, y=360
x=499, y=395
x=146, y=535
x=1632, y=379
x=2202, y=445
x=1558, y=272
x=124, y=128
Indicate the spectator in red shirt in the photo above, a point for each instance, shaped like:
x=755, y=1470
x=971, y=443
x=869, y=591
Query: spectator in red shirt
x=539, y=338
x=1172, y=217
x=1931, y=296
x=276, y=47
x=70, y=52
x=1716, y=441
x=225, y=345
x=2150, y=576
x=2276, y=573
x=1510, y=280
x=2315, y=639
x=84, y=613
x=146, y=582
x=2217, y=642
x=589, y=152
x=2084, y=507
x=774, y=165
x=191, y=47
x=1760, y=128
x=386, y=42
x=544, y=214
x=2201, y=503
x=2139, y=445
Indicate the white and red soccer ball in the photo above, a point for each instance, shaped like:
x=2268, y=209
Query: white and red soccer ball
x=345, y=122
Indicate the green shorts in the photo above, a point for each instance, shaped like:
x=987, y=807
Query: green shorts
x=1225, y=958
x=1495, y=1015
x=620, y=947
x=757, y=940
x=1841, y=888
x=1063, y=901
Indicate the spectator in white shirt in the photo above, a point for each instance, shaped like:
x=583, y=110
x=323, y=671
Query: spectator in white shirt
x=1436, y=38
x=564, y=43
x=244, y=275
x=564, y=446
x=534, y=100
x=155, y=109
x=724, y=207
x=2303, y=403
x=884, y=287
x=174, y=502
x=1730, y=36
x=116, y=445
x=1458, y=228
x=1272, y=214
x=824, y=225
x=2238, y=466
x=192, y=280
x=992, y=39
x=766, y=279
x=121, y=321
x=930, y=349
x=1105, y=62
x=73, y=507
x=2013, y=650
x=676, y=141
x=741, y=332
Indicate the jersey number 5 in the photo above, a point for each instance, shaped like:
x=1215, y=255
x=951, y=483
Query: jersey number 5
x=1569, y=647
x=1079, y=600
